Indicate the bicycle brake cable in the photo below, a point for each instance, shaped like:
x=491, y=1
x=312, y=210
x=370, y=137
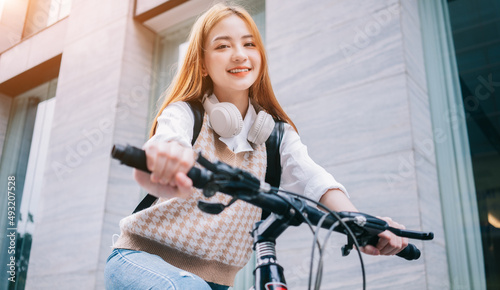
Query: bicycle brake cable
x=329, y=232
x=315, y=240
x=346, y=227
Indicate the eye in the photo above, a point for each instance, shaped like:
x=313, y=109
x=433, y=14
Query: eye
x=222, y=46
x=250, y=44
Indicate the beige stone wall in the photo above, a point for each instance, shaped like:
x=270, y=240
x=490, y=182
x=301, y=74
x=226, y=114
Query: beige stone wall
x=33, y=51
x=101, y=99
x=351, y=75
x=12, y=22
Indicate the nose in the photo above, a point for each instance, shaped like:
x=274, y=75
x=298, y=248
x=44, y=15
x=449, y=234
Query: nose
x=239, y=54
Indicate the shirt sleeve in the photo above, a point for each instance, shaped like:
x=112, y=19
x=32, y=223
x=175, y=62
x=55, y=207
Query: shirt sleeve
x=175, y=124
x=300, y=174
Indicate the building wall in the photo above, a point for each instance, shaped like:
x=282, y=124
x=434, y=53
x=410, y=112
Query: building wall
x=12, y=22
x=102, y=99
x=351, y=75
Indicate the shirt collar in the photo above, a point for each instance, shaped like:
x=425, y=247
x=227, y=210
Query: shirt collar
x=240, y=143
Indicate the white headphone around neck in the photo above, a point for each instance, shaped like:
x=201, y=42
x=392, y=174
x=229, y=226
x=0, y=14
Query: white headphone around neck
x=226, y=120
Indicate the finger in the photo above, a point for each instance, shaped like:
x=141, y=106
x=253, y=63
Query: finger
x=183, y=180
x=404, y=244
x=181, y=159
x=184, y=185
x=389, y=251
x=151, y=151
x=389, y=244
x=187, y=160
x=158, y=175
x=393, y=246
x=170, y=158
x=158, y=153
x=382, y=241
x=370, y=250
x=392, y=223
x=183, y=166
x=397, y=225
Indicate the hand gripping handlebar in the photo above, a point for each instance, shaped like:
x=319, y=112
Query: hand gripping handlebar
x=220, y=177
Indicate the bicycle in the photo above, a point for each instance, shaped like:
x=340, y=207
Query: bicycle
x=286, y=209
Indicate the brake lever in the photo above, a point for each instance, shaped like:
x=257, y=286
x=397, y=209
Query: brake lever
x=214, y=208
x=411, y=234
x=379, y=225
x=225, y=179
x=367, y=228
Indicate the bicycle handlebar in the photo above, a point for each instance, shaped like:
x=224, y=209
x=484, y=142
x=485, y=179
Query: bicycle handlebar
x=220, y=177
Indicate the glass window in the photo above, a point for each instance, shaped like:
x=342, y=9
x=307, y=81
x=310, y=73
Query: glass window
x=23, y=162
x=475, y=26
x=44, y=13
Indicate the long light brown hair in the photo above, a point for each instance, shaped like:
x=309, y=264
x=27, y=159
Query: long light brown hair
x=189, y=83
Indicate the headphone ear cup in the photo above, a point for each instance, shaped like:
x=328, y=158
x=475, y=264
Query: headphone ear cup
x=226, y=119
x=261, y=128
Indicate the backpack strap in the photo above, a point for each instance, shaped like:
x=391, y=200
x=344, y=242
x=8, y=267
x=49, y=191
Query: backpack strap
x=198, y=113
x=146, y=202
x=273, y=170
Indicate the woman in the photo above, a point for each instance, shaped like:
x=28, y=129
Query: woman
x=174, y=244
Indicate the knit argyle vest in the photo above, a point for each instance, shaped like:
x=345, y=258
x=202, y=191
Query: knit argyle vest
x=214, y=247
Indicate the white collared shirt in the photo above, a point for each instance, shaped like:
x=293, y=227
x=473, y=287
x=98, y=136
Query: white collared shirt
x=300, y=174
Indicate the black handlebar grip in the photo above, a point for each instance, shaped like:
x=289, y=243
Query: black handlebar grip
x=409, y=253
x=130, y=156
x=136, y=158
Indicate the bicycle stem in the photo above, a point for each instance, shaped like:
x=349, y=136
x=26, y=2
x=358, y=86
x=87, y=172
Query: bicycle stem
x=268, y=272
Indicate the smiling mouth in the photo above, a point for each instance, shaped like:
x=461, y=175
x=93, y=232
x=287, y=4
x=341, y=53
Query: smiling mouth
x=239, y=70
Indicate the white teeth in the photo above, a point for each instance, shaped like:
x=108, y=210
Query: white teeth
x=233, y=71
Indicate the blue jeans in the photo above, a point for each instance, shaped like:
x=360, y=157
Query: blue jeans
x=128, y=269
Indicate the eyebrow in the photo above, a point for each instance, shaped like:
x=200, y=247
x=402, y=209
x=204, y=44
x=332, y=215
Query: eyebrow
x=226, y=37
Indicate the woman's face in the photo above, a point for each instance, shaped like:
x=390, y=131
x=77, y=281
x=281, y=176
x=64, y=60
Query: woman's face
x=231, y=58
